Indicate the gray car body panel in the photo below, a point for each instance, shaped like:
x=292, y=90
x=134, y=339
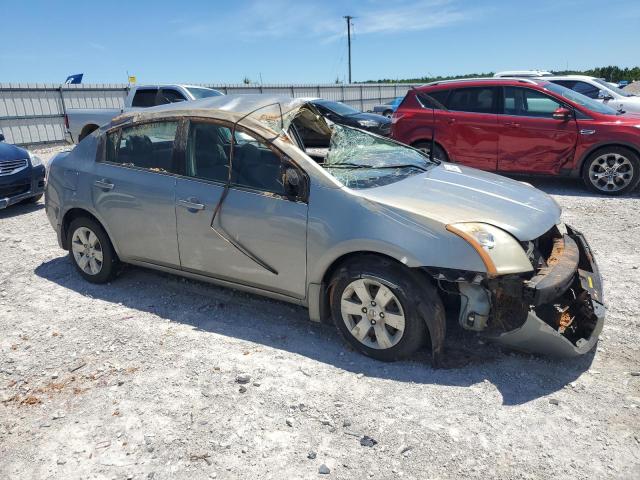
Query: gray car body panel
x=405, y=220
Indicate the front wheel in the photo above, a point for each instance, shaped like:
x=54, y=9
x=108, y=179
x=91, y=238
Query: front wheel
x=374, y=307
x=91, y=251
x=612, y=171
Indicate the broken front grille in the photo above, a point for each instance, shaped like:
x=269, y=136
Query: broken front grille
x=9, y=167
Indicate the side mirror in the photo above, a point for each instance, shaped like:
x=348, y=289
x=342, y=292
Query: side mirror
x=293, y=183
x=602, y=95
x=562, y=114
x=1, y=137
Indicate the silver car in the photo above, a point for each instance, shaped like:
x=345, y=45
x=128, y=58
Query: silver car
x=364, y=231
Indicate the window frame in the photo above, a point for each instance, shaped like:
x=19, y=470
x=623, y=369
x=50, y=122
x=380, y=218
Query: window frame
x=523, y=87
x=161, y=91
x=145, y=89
x=284, y=158
x=496, y=106
x=176, y=159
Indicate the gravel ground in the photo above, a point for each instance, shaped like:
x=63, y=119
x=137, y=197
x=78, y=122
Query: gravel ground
x=141, y=378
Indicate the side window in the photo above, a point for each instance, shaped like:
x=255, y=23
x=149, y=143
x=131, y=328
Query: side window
x=477, y=100
x=148, y=146
x=169, y=95
x=587, y=89
x=145, y=97
x=208, y=149
x=256, y=166
x=436, y=100
x=528, y=103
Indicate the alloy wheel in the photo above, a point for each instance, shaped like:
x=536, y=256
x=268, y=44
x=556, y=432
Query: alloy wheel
x=372, y=313
x=611, y=172
x=87, y=250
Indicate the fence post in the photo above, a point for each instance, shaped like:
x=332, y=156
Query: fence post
x=64, y=114
x=361, y=98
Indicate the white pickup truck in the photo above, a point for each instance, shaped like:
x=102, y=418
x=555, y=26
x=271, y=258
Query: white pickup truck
x=81, y=122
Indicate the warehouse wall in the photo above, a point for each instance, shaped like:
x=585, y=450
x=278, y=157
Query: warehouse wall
x=33, y=113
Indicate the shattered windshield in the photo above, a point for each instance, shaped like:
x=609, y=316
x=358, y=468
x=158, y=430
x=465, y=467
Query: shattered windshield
x=358, y=159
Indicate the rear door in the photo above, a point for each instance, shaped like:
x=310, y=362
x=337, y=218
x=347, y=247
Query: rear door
x=133, y=190
x=532, y=141
x=468, y=129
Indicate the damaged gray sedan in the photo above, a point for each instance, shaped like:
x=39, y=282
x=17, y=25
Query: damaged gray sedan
x=258, y=193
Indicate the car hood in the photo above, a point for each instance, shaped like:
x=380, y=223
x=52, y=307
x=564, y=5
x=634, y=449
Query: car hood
x=11, y=152
x=450, y=193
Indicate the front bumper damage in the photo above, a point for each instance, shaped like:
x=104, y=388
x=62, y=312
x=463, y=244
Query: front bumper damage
x=559, y=311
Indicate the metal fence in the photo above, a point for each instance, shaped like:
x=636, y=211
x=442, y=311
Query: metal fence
x=33, y=113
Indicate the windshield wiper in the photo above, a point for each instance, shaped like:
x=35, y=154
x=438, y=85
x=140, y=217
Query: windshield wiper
x=372, y=167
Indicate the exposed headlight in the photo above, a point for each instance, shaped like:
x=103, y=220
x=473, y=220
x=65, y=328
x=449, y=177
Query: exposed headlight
x=368, y=123
x=35, y=160
x=637, y=126
x=499, y=251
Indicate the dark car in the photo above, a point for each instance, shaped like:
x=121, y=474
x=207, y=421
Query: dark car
x=343, y=114
x=22, y=175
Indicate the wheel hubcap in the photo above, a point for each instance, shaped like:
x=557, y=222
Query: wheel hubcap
x=611, y=172
x=372, y=313
x=87, y=251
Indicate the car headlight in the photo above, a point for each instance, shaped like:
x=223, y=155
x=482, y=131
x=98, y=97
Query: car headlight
x=637, y=126
x=368, y=123
x=35, y=160
x=499, y=251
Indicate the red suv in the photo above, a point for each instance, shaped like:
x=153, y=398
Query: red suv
x=523, y=126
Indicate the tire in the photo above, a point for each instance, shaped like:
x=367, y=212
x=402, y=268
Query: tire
x=612, y=171
x=438, y=151
x=35, y=199
x=387, y=113
x=83, y=245
x=390, y=332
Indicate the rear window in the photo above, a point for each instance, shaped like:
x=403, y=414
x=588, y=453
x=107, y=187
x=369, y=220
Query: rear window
x=145, y=98
x=475, y=100
x=148, y=146
x=435, y=99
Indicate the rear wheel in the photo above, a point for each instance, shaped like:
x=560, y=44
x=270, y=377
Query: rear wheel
x=612, y=171
x=438, y=151
x=387, y=113
x=91, y=251
x=374, y=307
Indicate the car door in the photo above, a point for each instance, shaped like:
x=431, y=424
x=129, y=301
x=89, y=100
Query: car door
x=257, y=235
x=532, y=141
x=133, y=190
x=468, y=129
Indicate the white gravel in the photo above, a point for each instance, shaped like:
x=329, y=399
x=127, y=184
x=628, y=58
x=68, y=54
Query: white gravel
x=143, y=378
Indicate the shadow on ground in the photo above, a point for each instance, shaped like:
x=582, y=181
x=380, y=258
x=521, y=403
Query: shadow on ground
x=568, y=187
x=518, y=377
x=20, y=209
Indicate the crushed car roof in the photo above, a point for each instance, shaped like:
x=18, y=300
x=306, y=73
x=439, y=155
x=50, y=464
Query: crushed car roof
x=271, y=111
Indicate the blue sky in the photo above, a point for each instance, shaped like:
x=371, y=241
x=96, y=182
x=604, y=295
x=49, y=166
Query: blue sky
x=305, y=41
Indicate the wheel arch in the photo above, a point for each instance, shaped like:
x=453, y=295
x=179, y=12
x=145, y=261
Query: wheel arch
x=77, y=212
x=436, y=142
x=585, y=156
x=436, y=326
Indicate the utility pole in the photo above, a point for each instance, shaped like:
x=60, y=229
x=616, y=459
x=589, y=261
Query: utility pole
x=349, y=18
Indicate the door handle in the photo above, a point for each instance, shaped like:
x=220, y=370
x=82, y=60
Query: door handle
x=451, y=120
x=512, y=124
x=104, y=184
x=190, y=204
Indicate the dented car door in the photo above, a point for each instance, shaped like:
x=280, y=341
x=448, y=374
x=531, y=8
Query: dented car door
x=241, y=227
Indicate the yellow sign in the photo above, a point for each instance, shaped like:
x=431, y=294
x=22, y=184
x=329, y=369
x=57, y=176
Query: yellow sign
x=132, y=79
